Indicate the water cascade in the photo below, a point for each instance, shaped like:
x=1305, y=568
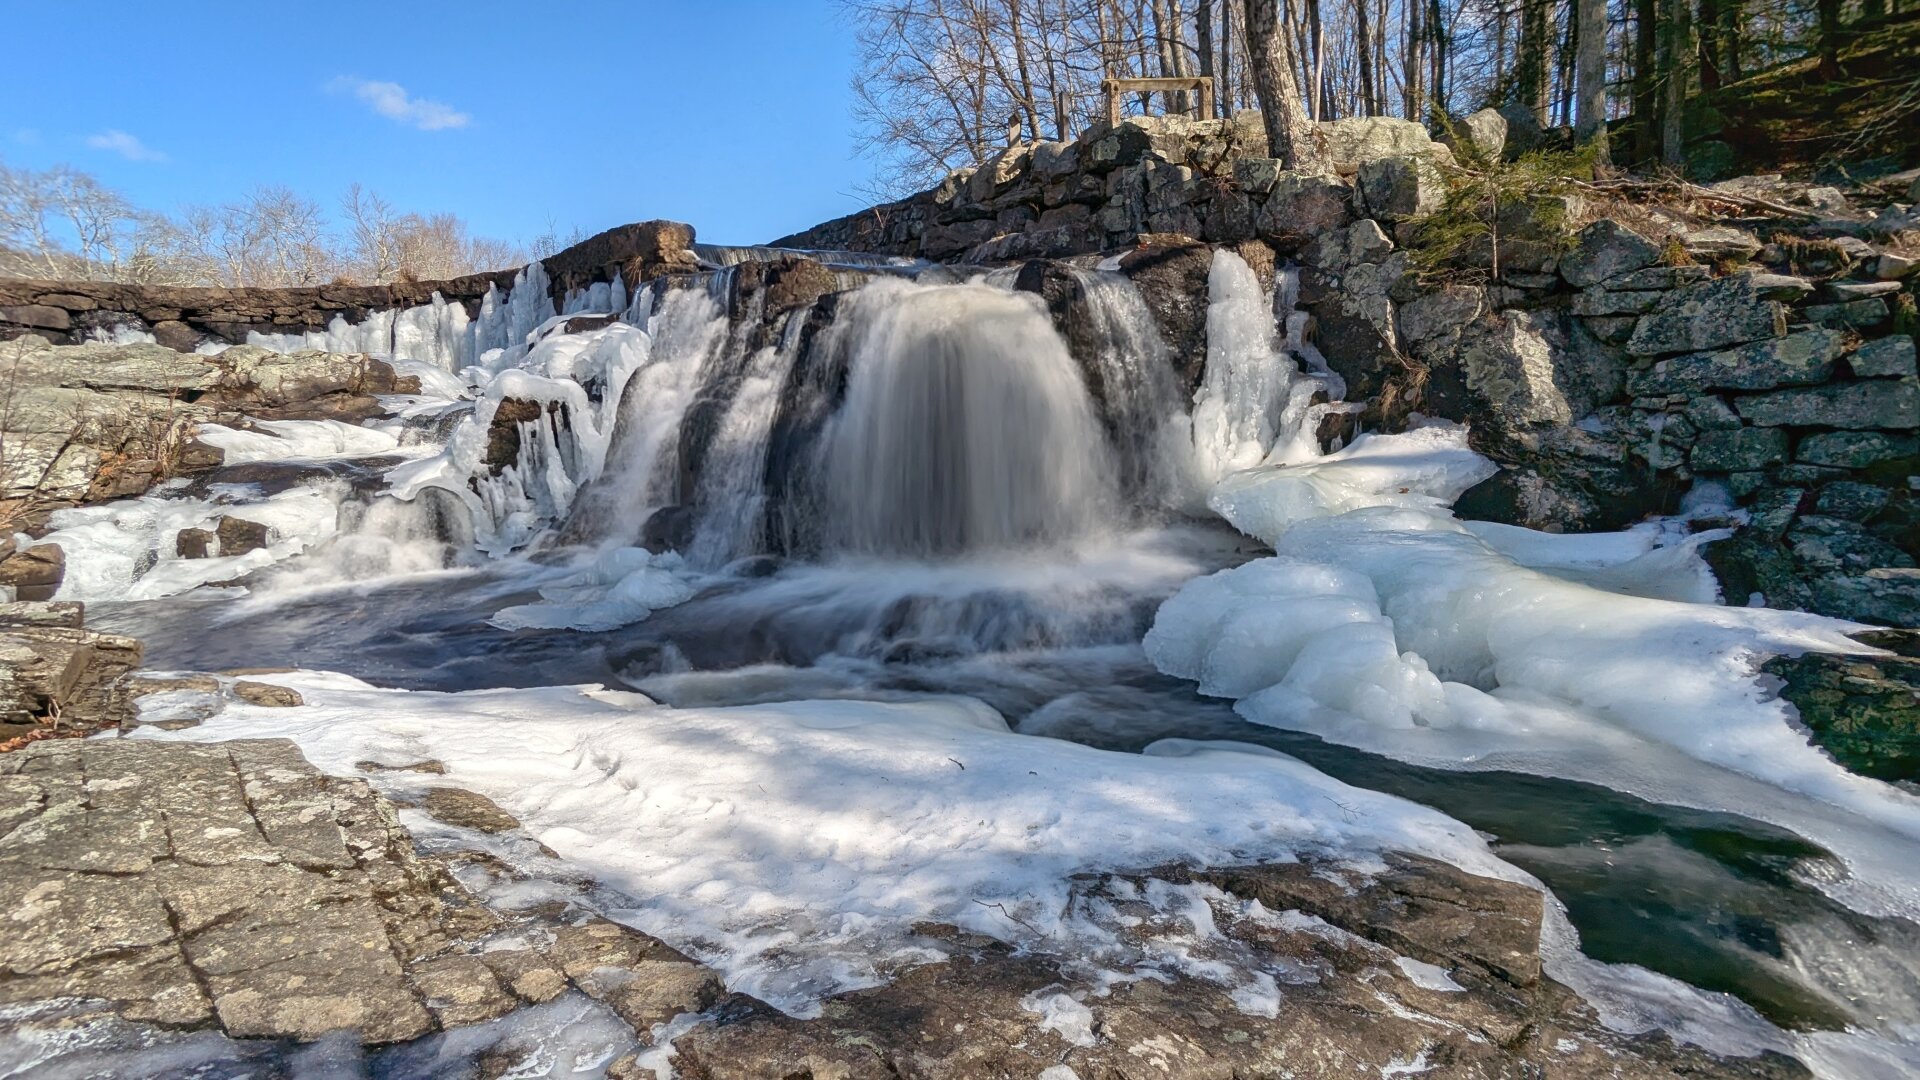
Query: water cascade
x=966, y=427
x=1137, y=389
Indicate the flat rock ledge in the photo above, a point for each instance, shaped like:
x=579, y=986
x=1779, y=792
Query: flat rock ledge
x=234, y=887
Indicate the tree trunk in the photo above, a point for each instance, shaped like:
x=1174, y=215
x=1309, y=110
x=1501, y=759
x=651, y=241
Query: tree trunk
x=1709, y=45
x=1369, y=103
x=1316, y=68
x=1531, y=84
x=1028, y=106
x=1499, y=91
x=1203, y=48
x=1732, y=12
x=1231, y=96
x=1829, y=30
x=1676, y=55
x=1646, y=80
x=1442, y=56
x=1166, y=28
x=1568, y=47
x=1413, y=58
x=1290, y=135
x=1590, y=76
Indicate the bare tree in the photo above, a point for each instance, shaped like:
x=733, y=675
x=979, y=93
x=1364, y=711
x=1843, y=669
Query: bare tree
x=1270, y=56
x=1590, y=74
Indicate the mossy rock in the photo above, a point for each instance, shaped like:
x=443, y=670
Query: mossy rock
x=1865, y=711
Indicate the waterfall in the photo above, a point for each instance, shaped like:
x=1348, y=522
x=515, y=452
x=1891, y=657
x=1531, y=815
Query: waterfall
x=966, y=426
x=1135, y=384
x=688, y=332
x=732, y=496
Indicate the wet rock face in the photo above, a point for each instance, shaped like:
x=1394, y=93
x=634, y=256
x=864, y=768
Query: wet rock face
x=1173, y=280
x=1421, y=967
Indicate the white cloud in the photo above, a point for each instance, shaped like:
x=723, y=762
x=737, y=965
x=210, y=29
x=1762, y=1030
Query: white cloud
x=392, y=101
x=127, y=146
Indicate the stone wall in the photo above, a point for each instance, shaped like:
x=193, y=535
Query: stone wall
x=68, y=312
x=1209, y=180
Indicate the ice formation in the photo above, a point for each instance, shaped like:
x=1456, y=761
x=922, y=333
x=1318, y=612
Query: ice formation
x=1384, y=623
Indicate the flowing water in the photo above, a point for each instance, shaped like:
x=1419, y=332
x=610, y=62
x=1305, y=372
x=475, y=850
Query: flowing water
x=931, y=491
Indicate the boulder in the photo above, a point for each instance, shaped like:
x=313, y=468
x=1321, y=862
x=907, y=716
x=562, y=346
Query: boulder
x=1889, y=596
x=1257, y=176
x=1806, y=358
x=267, y=695
x=467, y=810
x=1865, y=711
x=1524, y=131
x=1356, y=325
x=1356, y=140
x=1053, y=160
x=37, y=316
x=1719, y=242
x=1659, y=277
x=1301, y=208
x=34, y=573
x=1504, y=374
x=638, y=252
x=238, y=536
x=1172, y=279
x=194, y=544
x=1861, y=406
x=1126, y=143
x=1781, y=287
x=1400, y=186
x=1710, y=315
x=1868, y=314
x=58, y=678
x=1891, y=267
x=1479, y=136
x=1604, y=250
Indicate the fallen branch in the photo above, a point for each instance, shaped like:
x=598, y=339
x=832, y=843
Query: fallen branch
x=1696, y=191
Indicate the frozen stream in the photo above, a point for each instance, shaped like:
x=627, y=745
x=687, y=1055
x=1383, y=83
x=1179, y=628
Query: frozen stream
x=915, y=528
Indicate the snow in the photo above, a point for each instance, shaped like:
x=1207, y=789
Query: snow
x=580, y=381
x=793, y=845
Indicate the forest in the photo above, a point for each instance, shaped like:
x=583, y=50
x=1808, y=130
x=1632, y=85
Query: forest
x=941, y=80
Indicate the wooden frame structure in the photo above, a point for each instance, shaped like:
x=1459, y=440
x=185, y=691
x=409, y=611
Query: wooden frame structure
x=1113, y=88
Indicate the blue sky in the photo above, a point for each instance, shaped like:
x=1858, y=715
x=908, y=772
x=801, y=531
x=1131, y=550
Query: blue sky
x=730, y=114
